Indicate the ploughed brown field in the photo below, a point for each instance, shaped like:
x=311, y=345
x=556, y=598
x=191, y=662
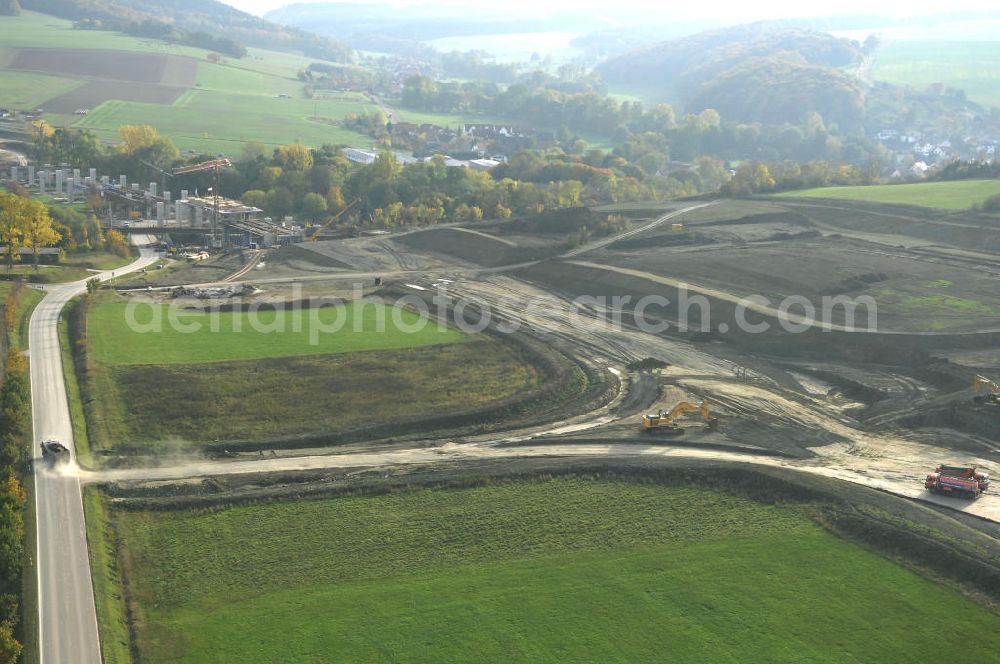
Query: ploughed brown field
x=152, y=78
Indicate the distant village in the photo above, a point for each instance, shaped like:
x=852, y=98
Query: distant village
x=917, y=153
x=476, y=146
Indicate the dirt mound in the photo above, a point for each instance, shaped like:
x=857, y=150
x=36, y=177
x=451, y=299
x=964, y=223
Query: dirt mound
x=297, y=254
x=910, y=293
x=681, y=239
x=647, y=364
x=474, y=247
x=964, y=415
x=563, y=221
x=856, y=283
x=785, y=218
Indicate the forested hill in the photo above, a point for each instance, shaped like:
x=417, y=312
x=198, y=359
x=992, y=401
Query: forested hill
x=205, y=23
x=760, y=64
x=780, y=89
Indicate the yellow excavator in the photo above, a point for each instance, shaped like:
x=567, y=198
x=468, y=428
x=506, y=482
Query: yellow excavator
x=329, y=222
x=664, y=421
x=993, y=390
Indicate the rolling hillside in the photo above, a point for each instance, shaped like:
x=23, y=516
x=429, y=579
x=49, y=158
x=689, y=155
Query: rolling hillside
x=203, y=105
x=759, y=63
x=206, y=23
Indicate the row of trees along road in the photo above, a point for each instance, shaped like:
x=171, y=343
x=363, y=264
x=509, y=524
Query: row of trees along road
x=15, y=432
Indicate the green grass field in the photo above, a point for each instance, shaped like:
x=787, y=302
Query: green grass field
x=47, y=274
x=272, y=380
x=31, y=90
x=956, y=195
x=972, y=66
x=567, y=569
x=218, y=121
x=246, y=335
x=34, y=30
x=265, y=400
x=451, y=120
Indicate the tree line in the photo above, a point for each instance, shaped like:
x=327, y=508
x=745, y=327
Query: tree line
x=15, y=434
x=168, y=32
x=759, y=178
x=317, y=184
x=572, y=107
x=141, y=152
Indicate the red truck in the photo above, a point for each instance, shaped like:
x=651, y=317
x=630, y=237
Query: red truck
x=959, y=481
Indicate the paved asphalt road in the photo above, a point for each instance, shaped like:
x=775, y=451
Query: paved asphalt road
x=67, y=617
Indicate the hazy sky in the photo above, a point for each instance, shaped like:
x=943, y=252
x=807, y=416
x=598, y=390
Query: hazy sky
x=688, y=10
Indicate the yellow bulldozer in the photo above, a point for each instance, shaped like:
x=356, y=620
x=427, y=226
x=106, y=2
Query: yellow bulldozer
x=992, y=390
x=663, y=421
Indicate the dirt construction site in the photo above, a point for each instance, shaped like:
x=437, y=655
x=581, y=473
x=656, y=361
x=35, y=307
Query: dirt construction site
x=875, y=404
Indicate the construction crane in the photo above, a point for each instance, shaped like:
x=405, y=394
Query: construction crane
x=329, y=222
x=992, y=396
x=163, y=175
x=664, y=420
x=214, y=165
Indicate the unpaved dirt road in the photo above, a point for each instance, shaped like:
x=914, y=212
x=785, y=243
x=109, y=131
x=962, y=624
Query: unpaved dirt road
x=896, y=469
x=841, y=449
x=887, y=462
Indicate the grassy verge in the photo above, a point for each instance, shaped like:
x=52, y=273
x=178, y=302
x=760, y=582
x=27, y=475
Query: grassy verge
x=47, y=274
x=100, y=260
x=81, y=442
x=565, y=569
x=957, y=195
x=75, y=267
x=29, y=299
x=96, y=393
x=108, y=588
